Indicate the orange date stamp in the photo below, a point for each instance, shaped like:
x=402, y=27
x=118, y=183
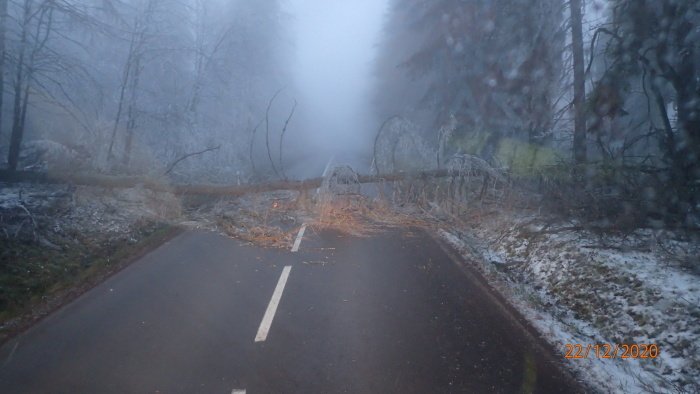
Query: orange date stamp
x=610, y=350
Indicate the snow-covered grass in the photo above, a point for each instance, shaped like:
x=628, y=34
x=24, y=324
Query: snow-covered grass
x=576, y=286
x=57, y=239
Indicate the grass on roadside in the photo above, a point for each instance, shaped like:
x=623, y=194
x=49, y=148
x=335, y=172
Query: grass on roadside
x=36, y=279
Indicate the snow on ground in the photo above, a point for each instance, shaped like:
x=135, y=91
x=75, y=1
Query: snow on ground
x=579, y=287
x=56, y=239
x=84, y=208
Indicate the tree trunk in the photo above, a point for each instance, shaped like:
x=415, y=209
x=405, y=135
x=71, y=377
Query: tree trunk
x=132, y=69
x=687, y=86
x=17, y=124
x=131, y=113
x=3, y=27
x=122, y=91
x=579, y=83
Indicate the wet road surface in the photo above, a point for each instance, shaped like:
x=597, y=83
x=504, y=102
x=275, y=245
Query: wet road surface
x=387, y=313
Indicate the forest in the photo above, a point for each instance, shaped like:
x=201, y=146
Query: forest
x=553, y=144
x=120, y=87
x=603, y=110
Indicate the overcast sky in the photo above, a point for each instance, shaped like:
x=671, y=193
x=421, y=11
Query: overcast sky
x=335, y=45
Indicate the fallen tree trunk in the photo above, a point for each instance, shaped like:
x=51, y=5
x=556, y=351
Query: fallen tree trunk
x=239, y=190
x=399, y=176
x=156, y=184
x=106, y=181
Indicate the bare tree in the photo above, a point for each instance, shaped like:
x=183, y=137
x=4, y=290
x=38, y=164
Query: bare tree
x=204, y=55
x=579, y=148
x=3, y=29
x=130, y=82
x=43, y=15
x=210, y=71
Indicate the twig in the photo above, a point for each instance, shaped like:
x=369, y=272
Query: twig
x=376, y=140
x=21, y=205
x=176, y=162
x=267, y=130
x=252, y=144
x=284, y=129
x=21, y=225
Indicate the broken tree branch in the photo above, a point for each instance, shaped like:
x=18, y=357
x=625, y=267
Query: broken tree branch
x=284, y=130
x=176, y=162
x=267, y=131
x=252, y=145
x=376, y=141
x=29, y=214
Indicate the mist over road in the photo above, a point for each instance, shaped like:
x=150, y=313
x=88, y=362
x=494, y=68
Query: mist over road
x=335, y=49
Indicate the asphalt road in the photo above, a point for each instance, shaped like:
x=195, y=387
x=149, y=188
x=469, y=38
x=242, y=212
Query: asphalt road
x=390, y=313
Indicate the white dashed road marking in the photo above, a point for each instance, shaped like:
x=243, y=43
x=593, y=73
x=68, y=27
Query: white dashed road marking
x=297, y=242
x=272, y=307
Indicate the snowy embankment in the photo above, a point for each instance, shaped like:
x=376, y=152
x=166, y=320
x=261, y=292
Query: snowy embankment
x=579, y=287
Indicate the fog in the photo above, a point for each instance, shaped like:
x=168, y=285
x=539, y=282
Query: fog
x=335, y=45
x=180, y=89
x=554, y=144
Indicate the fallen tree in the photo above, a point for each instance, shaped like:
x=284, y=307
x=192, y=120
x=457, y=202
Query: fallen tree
x=156, y=184
x=160, y=184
